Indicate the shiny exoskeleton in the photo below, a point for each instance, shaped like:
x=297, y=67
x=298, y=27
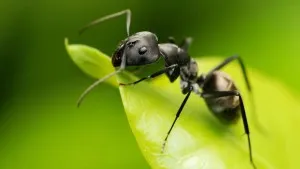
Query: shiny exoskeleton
x=215, y=87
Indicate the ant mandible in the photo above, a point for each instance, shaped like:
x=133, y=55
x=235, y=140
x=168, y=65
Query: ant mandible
x=218, y=89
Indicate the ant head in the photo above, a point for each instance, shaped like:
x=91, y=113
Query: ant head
x=139, y=49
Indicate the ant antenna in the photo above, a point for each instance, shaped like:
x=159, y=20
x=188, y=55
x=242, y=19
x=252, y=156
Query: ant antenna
x=92, y=86
x=97, y=21
x=123, y=62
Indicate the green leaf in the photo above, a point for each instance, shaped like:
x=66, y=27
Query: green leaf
x=91, y=61
x=198, y=139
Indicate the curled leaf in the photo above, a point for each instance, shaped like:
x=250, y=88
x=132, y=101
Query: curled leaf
x=198, y=139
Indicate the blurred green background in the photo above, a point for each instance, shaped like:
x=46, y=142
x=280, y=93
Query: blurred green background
x=40, y=126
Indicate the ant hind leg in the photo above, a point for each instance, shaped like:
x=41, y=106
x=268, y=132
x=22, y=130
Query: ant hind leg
x=217, y=94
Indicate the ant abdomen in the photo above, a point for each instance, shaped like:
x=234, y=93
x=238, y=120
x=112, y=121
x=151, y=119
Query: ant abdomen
x=226, y=108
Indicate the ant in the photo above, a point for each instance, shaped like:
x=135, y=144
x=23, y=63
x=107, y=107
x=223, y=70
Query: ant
x=218, y=89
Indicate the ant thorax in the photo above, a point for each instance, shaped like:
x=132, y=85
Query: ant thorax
x=189, y=76
x=189, y=72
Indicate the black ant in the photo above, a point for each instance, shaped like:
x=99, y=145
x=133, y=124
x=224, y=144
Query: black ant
x=218, y=89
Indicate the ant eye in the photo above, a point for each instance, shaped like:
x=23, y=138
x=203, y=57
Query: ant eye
x=142, y=50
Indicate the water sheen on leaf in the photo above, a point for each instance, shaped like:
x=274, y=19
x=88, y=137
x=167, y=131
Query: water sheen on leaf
x=199, y=140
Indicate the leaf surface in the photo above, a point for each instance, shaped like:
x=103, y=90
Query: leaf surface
x=198, y=139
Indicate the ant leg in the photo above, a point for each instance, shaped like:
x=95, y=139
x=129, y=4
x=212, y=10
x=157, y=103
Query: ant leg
x=166, y=69
x=92, y=86
x=217, y=94
x=171, y=39
x=97, y=21
x=177, y=115
x=186, y=43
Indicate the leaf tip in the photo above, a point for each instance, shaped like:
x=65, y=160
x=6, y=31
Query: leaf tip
x=66, y=41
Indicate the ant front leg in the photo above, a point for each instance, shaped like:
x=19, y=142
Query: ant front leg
x=166, y=69
x=185, y=44
x=176, y=117
x=218, y=94
x=171, y=39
